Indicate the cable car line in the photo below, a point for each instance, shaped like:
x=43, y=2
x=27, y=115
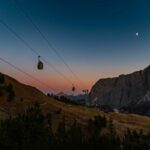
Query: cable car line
x=35, y=52
x=18, y=36
x=47, y=41
x=56, y=70
x=27, y=74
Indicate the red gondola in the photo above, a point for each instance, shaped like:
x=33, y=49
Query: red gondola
x=73, y=88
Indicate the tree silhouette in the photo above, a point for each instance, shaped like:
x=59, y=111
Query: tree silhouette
x=11, y=93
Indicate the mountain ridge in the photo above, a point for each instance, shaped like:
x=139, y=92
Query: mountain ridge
x=61, y=111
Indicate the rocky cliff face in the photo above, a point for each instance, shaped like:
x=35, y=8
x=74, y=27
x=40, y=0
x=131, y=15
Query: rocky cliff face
x=123, y=90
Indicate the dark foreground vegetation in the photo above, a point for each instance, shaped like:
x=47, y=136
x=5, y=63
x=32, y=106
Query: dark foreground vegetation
x=33, y=131
x=8, y=89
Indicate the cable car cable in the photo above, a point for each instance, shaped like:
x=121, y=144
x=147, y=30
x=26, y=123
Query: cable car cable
x=35, y=52
x=47, y=41
x=27, y=74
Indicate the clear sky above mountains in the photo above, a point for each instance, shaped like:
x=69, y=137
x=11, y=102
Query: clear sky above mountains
x=97, y=38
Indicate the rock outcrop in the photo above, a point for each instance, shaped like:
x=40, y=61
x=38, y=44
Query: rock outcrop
x=122, y=91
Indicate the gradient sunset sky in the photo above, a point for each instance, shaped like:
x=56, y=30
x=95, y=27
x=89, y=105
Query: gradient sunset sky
x=97, y=38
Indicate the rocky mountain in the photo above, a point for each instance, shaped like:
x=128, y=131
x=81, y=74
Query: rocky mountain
x=131, y=90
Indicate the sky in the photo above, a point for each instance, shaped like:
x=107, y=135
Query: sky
x=96, y=38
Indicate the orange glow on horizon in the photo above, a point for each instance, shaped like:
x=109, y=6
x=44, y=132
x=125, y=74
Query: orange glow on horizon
x=54, y=83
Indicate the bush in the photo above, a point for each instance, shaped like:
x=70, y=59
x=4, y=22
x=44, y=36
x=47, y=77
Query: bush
x=59, y=111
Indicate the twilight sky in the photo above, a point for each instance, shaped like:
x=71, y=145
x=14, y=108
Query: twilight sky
x=97, y=38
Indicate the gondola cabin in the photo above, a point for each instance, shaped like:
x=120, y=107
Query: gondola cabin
x=73, y=88
x=40, y=64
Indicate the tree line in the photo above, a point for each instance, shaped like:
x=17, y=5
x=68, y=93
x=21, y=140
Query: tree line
x=33, y=131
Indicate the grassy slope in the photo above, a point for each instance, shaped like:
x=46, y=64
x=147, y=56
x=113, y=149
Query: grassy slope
x=68, y=112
